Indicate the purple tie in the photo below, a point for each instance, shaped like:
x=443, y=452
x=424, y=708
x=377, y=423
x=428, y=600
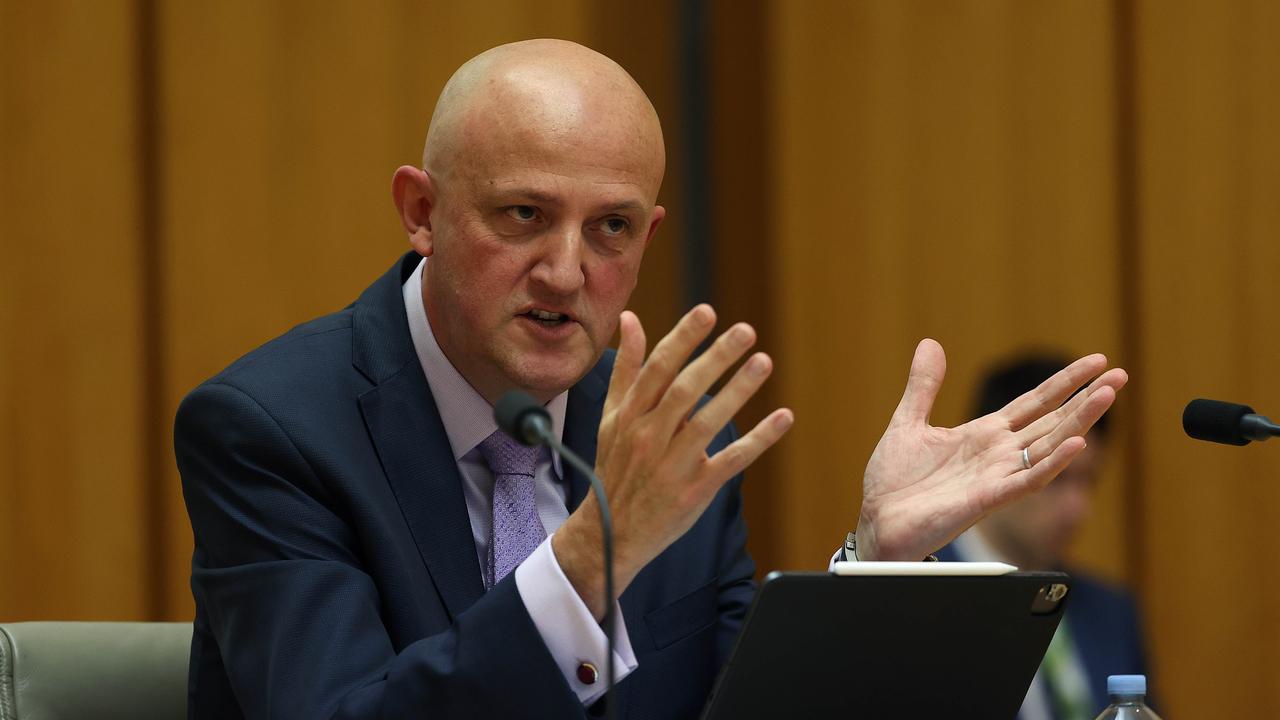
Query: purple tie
x=517, y=530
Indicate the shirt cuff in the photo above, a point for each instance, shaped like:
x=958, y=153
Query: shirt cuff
x=570, y=632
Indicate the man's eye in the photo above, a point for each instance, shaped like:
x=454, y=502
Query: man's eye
x=616, y=226
x=524, y=213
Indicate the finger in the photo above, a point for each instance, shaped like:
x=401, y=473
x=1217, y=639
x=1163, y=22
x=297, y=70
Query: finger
x=1075, y=425
x=1017, y=485
x=668, y=356
x=928, y=368
x=735, y=457
x=626, y=365
x=1115, y=378
x=694, y=381
x=1048, y=396
x=719, y=410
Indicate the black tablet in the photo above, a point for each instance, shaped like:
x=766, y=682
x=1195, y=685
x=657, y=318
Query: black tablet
x=873, y=646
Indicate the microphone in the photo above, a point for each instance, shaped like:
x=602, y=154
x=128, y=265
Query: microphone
x=1225, y=422
x=526, y=420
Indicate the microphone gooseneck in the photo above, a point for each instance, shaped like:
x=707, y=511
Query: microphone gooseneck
x=523, y=418
x=1225, y=422
x=526, y=420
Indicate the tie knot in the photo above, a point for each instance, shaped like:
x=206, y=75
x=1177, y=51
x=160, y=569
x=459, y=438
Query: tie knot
x=506, y=456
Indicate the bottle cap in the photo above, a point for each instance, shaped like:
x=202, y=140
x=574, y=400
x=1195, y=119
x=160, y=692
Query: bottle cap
x=1126, y=684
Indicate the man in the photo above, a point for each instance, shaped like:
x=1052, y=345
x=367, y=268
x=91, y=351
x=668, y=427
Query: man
x=368, y=545
x=1100, y=633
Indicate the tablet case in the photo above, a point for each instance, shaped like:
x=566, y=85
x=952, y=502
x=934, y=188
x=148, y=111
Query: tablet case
x=817, y=645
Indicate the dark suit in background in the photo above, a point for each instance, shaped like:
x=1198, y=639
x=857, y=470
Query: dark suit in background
x=335, y=572
x=1105, y=630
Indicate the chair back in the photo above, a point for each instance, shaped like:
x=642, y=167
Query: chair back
x=106, y=670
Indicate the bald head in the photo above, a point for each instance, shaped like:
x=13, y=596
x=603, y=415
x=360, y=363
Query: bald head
x=535, y=203
x=553, y=92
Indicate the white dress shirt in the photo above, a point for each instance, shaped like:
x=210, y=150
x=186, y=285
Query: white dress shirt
x=570, y=632
x=972, y=547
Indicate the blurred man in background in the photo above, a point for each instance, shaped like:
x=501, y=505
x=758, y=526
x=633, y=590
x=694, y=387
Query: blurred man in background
x=1100, y=633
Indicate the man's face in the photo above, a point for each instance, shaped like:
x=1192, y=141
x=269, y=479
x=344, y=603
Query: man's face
x=537, y=235
x=1043, y=524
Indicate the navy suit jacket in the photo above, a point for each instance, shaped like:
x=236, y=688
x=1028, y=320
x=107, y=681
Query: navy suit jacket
x=334, y=570
x=1104, y=627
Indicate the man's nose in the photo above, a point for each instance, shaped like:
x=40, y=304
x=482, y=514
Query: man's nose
x=559, y=267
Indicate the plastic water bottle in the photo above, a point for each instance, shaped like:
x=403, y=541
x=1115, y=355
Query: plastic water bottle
x=1128, y=693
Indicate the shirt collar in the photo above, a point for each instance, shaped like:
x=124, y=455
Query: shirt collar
x=467, y=416
x=971, y=546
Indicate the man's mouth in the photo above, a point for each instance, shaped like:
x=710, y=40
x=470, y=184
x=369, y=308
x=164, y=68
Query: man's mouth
x=547, y=318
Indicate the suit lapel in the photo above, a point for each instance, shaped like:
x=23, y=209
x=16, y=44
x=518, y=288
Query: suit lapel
x=412, y=445
x=418, y=461
x=581, y=424
x=401, y=416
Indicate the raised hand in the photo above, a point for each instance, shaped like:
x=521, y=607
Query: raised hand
x=925, y=485
x=651, y=452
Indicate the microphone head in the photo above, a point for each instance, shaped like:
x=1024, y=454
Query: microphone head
x=520, y=416
x=1216, y=421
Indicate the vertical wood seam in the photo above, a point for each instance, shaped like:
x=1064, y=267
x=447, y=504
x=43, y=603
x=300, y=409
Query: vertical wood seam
x=693, y=80
x=1128, y=236
x=155, y=426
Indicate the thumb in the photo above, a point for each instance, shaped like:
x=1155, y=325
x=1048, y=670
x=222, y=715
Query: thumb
x=928, y=368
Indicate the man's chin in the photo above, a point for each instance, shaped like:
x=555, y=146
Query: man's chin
x=547, y=377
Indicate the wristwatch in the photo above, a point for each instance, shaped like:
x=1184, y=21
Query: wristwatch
x=851, y=549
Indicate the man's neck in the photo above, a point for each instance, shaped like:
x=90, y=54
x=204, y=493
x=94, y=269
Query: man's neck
x=1010, y=552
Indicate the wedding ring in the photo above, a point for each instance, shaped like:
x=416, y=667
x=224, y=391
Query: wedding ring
x=1026, y=458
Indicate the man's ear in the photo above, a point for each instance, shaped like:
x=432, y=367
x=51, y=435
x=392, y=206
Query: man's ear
x=659, y=213
x=414, y=193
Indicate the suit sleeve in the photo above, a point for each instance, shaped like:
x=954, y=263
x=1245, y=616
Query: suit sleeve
x=297, y=620
x=737, y=569
x=1137, y=646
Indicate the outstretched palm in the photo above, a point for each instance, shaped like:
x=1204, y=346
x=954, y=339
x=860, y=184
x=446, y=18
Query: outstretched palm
x=924, y=485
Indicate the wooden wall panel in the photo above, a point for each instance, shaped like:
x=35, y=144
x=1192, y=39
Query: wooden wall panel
x=643, y=39
x=943, y=171
x=884, y=171
x=742, y=202
x=1208, y=88
x=73, y=527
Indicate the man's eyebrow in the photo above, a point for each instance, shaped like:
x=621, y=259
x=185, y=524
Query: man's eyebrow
x=541, y=198
x=520, y=193
x=624, y=205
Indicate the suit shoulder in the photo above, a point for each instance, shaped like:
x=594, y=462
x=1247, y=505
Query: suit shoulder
x=1087, y=584
x=1102, y=601
x=316, y=352
x=604, y=366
